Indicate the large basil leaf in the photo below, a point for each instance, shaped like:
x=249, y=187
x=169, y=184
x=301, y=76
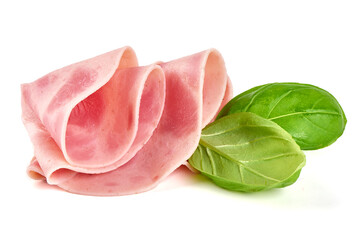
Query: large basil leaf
x=245, y=152
x=310, y=114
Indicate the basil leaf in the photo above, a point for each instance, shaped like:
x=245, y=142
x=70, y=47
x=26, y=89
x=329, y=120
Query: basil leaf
x=245, y=152
x=310, y=114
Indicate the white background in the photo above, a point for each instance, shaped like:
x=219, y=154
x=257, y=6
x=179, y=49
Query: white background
x=316, y=42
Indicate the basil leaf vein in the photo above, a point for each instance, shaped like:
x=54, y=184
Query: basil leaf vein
x=245, y=152
x=310, y=114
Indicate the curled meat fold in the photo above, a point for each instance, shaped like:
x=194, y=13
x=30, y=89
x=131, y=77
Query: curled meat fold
x=106, y=126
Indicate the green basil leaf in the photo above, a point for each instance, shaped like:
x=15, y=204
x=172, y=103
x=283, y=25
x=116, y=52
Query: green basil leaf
x=310, y=114
x=245, y=152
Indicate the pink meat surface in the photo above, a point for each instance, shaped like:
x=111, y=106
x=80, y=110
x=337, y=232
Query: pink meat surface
x=105, y=126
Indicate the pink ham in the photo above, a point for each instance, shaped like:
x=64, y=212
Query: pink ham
x=105, y=126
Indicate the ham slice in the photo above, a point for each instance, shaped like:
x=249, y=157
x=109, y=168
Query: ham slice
x=105, y=126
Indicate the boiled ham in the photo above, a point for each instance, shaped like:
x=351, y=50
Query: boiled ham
x=106, y=126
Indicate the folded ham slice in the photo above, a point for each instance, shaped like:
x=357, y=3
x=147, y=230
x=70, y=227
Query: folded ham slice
x=105, y=126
